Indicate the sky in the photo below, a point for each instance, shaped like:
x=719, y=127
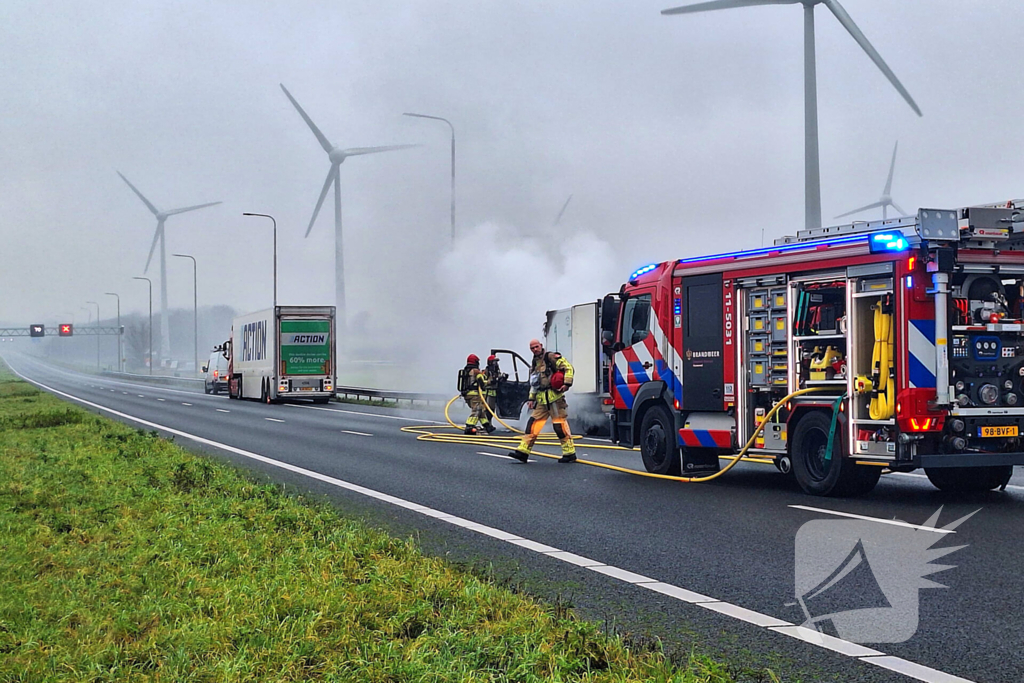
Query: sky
x=674, y=135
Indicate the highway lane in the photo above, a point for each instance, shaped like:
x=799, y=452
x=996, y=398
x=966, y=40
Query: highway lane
x=732, y=540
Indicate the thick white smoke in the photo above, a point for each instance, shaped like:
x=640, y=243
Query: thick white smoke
x=494, y=288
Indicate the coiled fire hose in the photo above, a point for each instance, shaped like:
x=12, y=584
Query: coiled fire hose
x=430, y=433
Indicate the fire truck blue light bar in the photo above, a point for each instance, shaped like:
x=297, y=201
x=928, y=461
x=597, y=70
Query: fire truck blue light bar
x=646, y=269
x=782, y=248
x=882, y=242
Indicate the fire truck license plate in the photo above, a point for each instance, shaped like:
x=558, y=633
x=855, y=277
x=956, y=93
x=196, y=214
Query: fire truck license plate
x=311, y=389
x=998, y=431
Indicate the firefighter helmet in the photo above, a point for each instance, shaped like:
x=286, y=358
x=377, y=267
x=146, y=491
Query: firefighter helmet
x=558, y=380
x=472, y=359
x=492, y=359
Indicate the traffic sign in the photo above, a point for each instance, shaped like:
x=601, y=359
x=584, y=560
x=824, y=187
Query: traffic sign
x=66, y=329
x=37, y=330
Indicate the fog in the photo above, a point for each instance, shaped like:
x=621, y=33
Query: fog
x=675, y=136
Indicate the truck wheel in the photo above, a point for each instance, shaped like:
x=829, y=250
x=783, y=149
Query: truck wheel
x=657, y=442
x=206, y=388
x=965, y=479
x=818, y=476
x=265, y=393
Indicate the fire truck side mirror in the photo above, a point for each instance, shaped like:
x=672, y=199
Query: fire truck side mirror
x=607, y=338
x=609, y=315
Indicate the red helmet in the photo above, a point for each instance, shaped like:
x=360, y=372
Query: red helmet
x=472, y=359
x=492, y=359
x=558, y=380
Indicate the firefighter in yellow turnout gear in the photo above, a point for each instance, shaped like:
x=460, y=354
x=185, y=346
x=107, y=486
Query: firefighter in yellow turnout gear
x=550, y=378
x=492, y=376
x=472, y=381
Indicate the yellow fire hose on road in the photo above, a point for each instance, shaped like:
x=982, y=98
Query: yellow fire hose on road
x=429, y=433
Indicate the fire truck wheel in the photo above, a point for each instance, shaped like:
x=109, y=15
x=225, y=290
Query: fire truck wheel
x=818, y=476
x=963, y=479
x=657, y=446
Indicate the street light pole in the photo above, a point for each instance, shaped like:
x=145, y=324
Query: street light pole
x=266, y=215
x=150, y=321
x=120, y=367
x=97, y=333
x=438, y=118
x=195, y=312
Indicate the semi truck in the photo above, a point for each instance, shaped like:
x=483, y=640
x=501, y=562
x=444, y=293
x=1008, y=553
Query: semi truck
x=282, y=353
x=837, y=354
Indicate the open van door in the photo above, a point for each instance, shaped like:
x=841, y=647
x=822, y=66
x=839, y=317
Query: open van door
x=514, y=391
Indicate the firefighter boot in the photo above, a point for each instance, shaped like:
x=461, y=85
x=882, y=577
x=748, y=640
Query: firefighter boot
x=469, y=430
x=489, y=428
x=519, y=455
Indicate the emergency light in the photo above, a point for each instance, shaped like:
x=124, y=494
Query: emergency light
x=646, y=269
x=888, y=242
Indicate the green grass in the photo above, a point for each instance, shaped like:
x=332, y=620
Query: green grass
x=124, y=557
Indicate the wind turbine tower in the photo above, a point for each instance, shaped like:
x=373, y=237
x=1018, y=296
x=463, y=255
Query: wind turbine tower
x=812, y=178
x=158, y=236
x=337, y=156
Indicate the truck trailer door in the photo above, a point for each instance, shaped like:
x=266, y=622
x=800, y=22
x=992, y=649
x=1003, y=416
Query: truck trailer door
x=703, y=366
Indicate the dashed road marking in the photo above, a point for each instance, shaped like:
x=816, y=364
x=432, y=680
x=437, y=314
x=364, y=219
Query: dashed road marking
x=221, y=410
x=185, y=404
x=273, y=419
x=346, y=431
x=161, y=399
x=496, y=455
x=892, y=522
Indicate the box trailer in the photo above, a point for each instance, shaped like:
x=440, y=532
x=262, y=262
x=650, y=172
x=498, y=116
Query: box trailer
x=283, y=353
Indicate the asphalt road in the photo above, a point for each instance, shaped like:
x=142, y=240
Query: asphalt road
x=733, y=540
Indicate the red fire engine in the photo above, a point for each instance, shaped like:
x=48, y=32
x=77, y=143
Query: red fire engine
x=887, y=345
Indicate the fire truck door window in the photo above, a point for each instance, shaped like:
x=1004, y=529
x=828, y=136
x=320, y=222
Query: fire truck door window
x=636, y=319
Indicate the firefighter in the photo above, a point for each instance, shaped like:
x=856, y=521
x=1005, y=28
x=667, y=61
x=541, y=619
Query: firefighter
x=492, y=377
x=550, y=378
x=471, y=384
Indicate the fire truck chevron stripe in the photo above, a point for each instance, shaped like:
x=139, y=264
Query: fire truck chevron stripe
x=622, y=389
x=921, y=345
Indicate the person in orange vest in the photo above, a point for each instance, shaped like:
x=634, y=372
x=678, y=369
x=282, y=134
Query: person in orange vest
x=550, y=378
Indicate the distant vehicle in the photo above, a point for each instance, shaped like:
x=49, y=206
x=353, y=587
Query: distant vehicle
x=216, y=369
x=283, y=353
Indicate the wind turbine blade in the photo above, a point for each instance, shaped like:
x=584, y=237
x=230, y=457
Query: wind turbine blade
x=309, y=122
x=356, y=151
x=190, y=208
x=854, y=31
x=895, y=206
x=863, y=208
x=323, y=195
x=892, y=165
x=136, y=191
x=723, y=4
x=562, y=212
x=152, y=247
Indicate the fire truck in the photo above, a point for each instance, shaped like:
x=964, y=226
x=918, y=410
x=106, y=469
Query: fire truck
x=837, y=354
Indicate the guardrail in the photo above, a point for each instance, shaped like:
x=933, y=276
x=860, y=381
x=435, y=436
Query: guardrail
x=365, y=393
x=189, y=382
x=358, y=393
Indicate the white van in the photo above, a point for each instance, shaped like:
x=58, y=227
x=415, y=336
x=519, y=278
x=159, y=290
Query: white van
x=216, y=370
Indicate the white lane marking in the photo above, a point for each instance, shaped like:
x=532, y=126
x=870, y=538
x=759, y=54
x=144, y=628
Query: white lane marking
x=921, y=673
x=159, y=399
x=273, y=419
x=141, y=396
x=892, y=522
x=497, y=455
x=1016, y=487
x=346, y=431
x=837, y=645
x=357, y=412
x=185, y=404
x=221, y=410
x=115, y=382
x=125, y=393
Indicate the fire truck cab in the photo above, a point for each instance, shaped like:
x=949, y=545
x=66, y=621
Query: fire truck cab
x=878, y=346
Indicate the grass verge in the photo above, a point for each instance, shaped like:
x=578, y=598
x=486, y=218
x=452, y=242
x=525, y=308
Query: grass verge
x=124, y=557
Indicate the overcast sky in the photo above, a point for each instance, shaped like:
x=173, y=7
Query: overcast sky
x=674, y=135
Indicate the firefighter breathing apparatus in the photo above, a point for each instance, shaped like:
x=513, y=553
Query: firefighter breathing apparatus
x=881, y=384
x=430, y=433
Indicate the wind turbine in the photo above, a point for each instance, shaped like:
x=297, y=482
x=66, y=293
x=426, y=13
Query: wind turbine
x=886, y=200
x=337, y=155
x=812, y=178
x=158, y=236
